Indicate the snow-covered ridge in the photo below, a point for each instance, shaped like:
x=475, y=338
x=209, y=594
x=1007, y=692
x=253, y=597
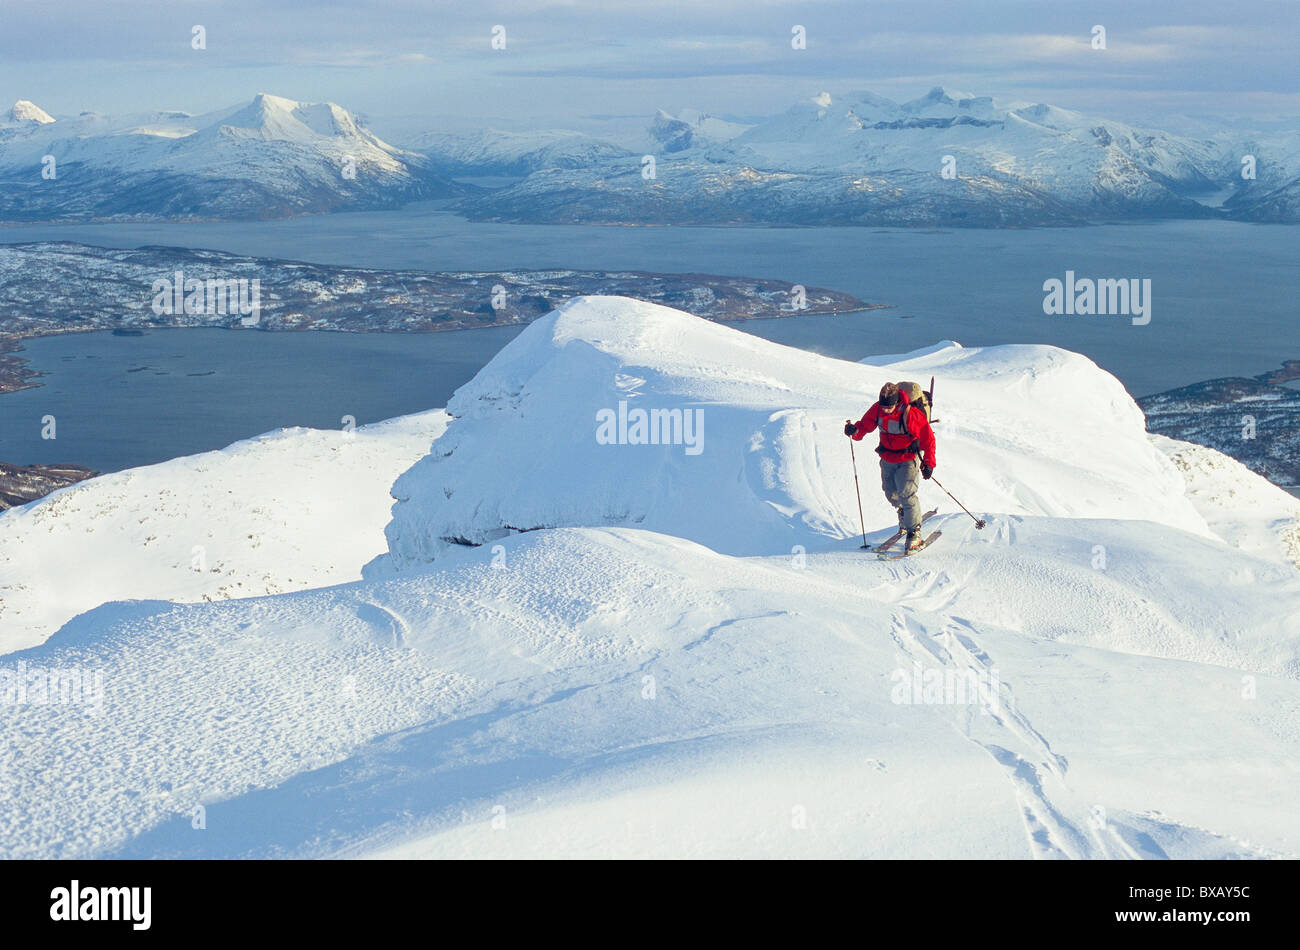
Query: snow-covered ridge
x=773, y=467
x=702, y=663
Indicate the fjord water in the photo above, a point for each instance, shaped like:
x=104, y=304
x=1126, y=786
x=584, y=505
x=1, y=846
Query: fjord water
x=119, y=402
x=1223, y=304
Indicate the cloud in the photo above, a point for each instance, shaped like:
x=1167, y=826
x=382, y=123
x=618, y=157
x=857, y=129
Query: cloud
x=719, y=53
x=1006, y=50
x=356, y=58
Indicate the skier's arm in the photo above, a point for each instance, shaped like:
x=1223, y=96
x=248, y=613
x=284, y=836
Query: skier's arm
x=925, y=435
x=868, y=422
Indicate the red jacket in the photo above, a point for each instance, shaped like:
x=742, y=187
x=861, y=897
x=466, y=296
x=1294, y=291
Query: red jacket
x=894, y=440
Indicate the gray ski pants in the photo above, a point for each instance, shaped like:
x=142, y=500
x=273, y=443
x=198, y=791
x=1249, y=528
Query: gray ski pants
x=900, y=480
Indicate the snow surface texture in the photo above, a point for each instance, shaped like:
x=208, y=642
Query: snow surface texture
x=288, y=510
x=687, y=655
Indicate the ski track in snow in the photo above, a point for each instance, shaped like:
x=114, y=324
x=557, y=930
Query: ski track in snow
x=1049, y=833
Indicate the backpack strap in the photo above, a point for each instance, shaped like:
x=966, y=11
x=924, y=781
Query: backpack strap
x=914, y=448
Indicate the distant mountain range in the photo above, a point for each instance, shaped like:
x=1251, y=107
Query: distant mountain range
x=946, y=158
x=270, y=158
x=490, y=152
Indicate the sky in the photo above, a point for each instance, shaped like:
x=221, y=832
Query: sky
x=414, y=63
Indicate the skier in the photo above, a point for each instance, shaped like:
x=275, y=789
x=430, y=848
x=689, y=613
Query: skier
x=905, y=433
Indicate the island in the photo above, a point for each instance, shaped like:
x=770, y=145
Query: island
x=62, y=287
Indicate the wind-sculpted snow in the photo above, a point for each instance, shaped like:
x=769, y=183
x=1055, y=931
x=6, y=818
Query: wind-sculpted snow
x=576, y=649
x=1025, y=430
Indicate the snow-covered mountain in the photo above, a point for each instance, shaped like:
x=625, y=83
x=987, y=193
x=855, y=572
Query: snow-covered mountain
x=1067, y=154
x=943, y=158
x=495, y=152
x=690, y=129
x=1279, y=205
x=269, y=158
x=1273, y=194
x=23, y=112
x=592, y=646
x=783, y=496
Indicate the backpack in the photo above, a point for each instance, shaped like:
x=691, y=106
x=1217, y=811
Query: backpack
x=917, y=397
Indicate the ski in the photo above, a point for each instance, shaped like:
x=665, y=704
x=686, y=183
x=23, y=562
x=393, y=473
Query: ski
x=888, y=543
x=920, y=547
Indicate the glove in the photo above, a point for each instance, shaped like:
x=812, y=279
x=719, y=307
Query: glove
x=850, y=429
x=926, y=471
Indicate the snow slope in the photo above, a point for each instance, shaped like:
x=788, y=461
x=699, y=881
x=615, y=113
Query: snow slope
x=687, y=655
x=288, y=510
x=402, y=718
x=1248, y=512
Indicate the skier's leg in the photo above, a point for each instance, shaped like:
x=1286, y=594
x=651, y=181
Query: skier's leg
x=908, y=481
x=888, y=482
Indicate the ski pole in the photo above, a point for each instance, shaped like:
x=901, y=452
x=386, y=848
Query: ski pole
x=979, y=522
x=862, y=521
